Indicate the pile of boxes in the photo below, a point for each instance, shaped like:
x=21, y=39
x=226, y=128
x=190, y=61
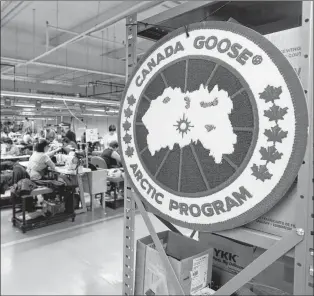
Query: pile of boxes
x=191, y=261
x=203, y=266
x=231, y=256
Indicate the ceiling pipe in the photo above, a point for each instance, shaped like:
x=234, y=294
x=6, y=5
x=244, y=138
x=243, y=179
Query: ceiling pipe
x=143, y=5
x=17, y=107
x=14, y=80
x=106, y=93
x=37, y=96
x=49, y=115
x=48, y=65
x=88, y=36
x=5, y=4
x=110, y=83
x=18, y=7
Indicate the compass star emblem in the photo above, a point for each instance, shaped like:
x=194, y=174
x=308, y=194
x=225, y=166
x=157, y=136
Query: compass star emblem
x=183, y=125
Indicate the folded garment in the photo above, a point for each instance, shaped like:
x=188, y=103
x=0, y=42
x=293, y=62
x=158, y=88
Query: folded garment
x=6, y=165
x=6, y=181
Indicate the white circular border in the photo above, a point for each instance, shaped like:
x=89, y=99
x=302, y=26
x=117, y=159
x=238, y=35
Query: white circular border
x=272, y=77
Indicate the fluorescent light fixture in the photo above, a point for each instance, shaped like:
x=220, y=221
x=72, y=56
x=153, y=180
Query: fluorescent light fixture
x=32, y=106
x=42, y=97
x=102, y=110
x=49, y=107
x=95, y=110
x=25, y=106
x=56, y=98
x=100, y=115
x=41, y=118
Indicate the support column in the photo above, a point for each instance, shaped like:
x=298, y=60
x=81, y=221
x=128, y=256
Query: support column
x=129, y=203
x=304, y=252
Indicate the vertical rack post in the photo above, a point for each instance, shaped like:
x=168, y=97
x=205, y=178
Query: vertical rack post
x=303, y=266
x=129, y=203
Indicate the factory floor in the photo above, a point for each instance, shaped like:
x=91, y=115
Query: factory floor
x=80, y=258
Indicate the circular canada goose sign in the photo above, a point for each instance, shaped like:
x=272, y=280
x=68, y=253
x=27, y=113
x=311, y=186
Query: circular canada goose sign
x=213, y=126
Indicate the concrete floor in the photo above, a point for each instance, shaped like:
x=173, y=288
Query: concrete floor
x=80, y=258
x=10, y=234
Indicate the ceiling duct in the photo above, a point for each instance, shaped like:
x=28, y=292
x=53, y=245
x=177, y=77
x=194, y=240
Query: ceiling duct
x=264, y=17
x=156, y=27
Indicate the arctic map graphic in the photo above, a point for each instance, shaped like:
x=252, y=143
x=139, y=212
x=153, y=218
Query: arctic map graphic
x=177, y=117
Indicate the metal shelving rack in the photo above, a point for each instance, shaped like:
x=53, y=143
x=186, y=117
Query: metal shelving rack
x=297, y=244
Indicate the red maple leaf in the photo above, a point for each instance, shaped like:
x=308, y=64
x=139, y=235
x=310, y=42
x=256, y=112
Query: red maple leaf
x=131, y=100
x=128, y=112
x=129, y=151
x=127, y=138
x=271, y=93
x=275, y=134
x=275, y=113
x=126, y=125
x=270, y=154
x=261, y=172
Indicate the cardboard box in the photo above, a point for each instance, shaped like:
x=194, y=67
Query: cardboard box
x=191, y=261
x=289, y=42
x=279, y=276
x=231, y=256
x=281, y=219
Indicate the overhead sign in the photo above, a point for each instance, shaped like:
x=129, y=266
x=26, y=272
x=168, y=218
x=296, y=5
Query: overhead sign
x=92, y=135
x=213, y=126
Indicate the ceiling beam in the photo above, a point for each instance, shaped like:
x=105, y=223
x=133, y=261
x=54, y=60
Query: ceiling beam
x=7, y=83
x=77, y=57
x=52, y=114
x=57, y=66
x=111, y=19
x=10, y=9
x=59, y=98
x=52, y=40
x=142, y=47
x=171, y=13
x=26, y=86
x=92, y=22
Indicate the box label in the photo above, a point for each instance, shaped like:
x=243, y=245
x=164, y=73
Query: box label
x=155, y=274
x=276, y=223
x=199, y=273
x=289, y=43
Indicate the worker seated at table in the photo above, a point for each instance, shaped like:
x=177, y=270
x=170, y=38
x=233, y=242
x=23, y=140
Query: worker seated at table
x=4, y=134
x=113, y=160
x=40, y=160
x=11, y=148
x=50, y=134
x=27, y=138
x=111, y=155
x=68, y=145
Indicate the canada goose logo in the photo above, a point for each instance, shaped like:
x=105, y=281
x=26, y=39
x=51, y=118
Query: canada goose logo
x=213, y=127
